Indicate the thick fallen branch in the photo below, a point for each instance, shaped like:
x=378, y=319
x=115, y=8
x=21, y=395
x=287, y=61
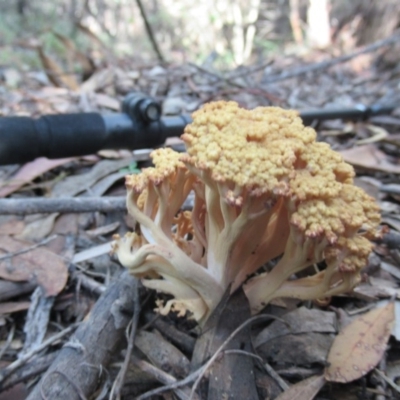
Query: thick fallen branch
x=43, y=205
x=64, y=205
x=79, y=367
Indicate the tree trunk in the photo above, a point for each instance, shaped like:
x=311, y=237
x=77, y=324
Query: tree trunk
x=319, y=29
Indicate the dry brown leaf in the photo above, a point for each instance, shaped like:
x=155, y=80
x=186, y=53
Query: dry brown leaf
x=304, y=390
x=10, y=307
x=377, y=288
x=74, y=55
x=368, y=156
x=40, y=264
x=12, y=227
x=360, y=345
x=300, y=320
x=298, y=350
x=103, y=230
x=39, y=228
x=75, y=184
x=55, y=73
x=29, y=172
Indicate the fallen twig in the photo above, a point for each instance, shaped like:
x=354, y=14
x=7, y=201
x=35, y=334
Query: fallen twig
x=119, y=381
x=91, y=348
x=62, y=205
x=27, y=356
x=10, y=337
x=208, y=364
x=388, y=380
x=162, y=377
x=174, y=385
x=231, y=81
x=275, y=376
x=29, y=371
x=68, y=205
x=291, y=73
x=88, y=283
x=199, y=373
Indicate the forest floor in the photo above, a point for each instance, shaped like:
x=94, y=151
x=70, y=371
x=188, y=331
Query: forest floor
x=59, y=285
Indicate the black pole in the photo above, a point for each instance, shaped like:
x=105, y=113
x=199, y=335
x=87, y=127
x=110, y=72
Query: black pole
x=139, y=126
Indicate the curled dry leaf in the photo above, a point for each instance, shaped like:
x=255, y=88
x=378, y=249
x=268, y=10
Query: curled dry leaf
x=360, y=345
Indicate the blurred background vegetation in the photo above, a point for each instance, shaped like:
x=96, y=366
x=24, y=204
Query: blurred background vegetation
x=83, y=34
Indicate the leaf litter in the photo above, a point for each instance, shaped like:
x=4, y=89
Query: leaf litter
x=298, y=351
x=359, y=347
x=39, y=264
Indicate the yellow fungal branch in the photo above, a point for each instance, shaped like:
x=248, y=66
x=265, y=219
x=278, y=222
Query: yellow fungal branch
x=263, y=188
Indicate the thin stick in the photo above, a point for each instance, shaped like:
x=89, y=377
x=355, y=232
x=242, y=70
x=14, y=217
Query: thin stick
x=171, y=386
x=329, y=63
x=275, y=376
x=27, y=356
x=161, y=376
x=90, y=349
x=200, y=371
x=230, y=81
x=208, y=364
x=29, y=371
x=388, y=380
x=88, y=283
x=119, y=381
x=10, y=337
x=63, y=205
x=244, y=353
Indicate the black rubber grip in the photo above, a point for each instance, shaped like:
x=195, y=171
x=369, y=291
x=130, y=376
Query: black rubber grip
x=54, y=136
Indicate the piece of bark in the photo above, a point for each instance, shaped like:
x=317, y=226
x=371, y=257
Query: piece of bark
x=37, y=319
x=77, y=369
x=230, y=374
x=180, y=339
x=162, y=353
